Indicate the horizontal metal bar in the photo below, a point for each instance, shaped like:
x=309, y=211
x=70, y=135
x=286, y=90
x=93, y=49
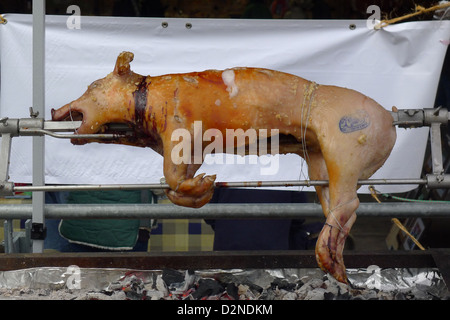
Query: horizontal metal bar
x=66, y=126
x=39, y=126
x=220, y=211
x=242, y=184
x=216, y=259
x=312, y=183
x=70, y=136
x=62, y=126
x=58, y=188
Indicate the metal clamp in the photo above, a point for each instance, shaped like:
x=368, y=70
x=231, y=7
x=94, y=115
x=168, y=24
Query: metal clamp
x=438, y=115
x=416, y=118
x=438, y=181
x=10, y=128
x=35, y=126
x=433, y=118
x=409, y=118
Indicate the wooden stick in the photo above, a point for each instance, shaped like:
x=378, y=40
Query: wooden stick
x=418, y=11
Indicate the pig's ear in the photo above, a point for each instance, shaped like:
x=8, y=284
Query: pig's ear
x=123, y=63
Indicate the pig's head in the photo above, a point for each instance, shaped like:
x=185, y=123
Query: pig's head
x=107, y=102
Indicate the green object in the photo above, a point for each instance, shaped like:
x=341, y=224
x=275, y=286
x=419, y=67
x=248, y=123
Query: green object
x=118, y=234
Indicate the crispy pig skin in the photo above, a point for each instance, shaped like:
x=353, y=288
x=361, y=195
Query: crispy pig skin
x=342, y=134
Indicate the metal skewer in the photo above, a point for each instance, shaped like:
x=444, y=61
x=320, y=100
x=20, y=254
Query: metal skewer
x=239, y=184
x=73, y=136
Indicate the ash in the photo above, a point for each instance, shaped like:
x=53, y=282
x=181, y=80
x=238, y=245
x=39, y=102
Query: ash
x=372, y=283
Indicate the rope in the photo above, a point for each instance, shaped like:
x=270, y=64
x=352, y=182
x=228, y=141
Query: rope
x=331, y=212
x=308, y=98
x=397, y=222
x=418, y=11
x=3, y=20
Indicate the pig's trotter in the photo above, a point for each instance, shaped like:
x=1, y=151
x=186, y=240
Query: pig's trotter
x=331, y=241
x=189, y=201
x=197, y=185
x=194, y=192
x=329, y=249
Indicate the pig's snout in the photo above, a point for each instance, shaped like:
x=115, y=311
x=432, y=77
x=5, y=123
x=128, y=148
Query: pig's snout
x=66, y=113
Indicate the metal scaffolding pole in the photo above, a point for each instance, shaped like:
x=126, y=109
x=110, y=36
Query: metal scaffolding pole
x=220, y=211
x=38, y=234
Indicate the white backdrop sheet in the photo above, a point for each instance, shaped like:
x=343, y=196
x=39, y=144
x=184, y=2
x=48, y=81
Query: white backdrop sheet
x=397, y=66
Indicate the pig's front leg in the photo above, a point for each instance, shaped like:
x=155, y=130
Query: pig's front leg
x=185, y=189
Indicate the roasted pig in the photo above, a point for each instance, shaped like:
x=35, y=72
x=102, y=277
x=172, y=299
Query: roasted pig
x=342, y=134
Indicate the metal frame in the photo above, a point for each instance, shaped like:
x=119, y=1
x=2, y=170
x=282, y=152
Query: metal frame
x=38, y=127
x=39, y=104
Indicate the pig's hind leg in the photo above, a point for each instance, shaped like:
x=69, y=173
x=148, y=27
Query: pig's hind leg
x=339, y=203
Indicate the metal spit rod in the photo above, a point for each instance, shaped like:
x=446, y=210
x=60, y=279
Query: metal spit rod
x=238, y=184
x=406, y=118
x=52, y=128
